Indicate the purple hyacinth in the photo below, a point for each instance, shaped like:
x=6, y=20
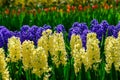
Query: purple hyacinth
x=98, y=30
x=104, y=25
x=60, y=28
x=110, y=30
x=33, y=29
x=1, y=27
x=77, y=28
x=81, y=26
x=116, y=30
x=35, y=33
x=84, y=37
x=74, y=30
x=24, y=28
x=24, y=33
x=93, y=23
x=46, y=27
x=1, y=40
x=6, y=34
x=75, y=24
x=16, y=33
x=32, y=33
x=38, y=34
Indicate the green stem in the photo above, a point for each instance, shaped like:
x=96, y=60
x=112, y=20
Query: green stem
x=79, y=76
x=72, y=72
x=28, y=75
x=88, y=75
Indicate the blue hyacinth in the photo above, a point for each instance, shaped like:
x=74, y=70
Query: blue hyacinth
x=60, y=28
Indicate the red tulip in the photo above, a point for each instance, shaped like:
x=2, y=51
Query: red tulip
x=68, y=10
x=46, y=9
x=106, y=6
x=7, y=11
x=68, y=6
x=73, y=8
x=80, y=7
x=53, y=8
x=94, y=6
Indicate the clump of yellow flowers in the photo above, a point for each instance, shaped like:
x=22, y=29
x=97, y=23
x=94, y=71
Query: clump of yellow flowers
x=40, y=62
x=77, y=52
x=91, y=57
x=3, y=66
x=75, y=43
x=79, y=59
x=112, y=51
x=27, y=54
x=117, y=55
x=57, y=49
x=44, y=40
x=14, y=48
x=92, y=52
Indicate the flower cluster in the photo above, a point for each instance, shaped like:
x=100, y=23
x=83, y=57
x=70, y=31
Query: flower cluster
x=34, y=33
x=77, y=52
x=59, y=28
x=102, y=30
x=92, y=52
x=112, y=51
x=89, y=57
x=44, y=40
x=80, y=29
x=14, y=48
x=57, y=49
x=32, y=58
x=40, y=62
x=75, y=43
x=35, y=57
x=40, y=50
x=27, y=53
x=3, y=66
x=4, y=35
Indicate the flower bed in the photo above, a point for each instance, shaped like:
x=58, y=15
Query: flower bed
x=40, y=53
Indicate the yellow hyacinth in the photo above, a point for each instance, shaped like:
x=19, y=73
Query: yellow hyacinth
x=40, y=62
x=44, y=40
x=75, y=43
x=3, y=66
x=57, y=49
x=79, y=58
x=92, y=51
x=14, y=48
x=117, y=55
x=27, y=53
x=111, y=52
x=78, y=52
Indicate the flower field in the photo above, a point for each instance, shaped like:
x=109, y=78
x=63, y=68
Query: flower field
x=35, y=53
x=59, y=40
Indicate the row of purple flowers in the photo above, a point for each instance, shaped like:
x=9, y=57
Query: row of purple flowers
x=33, y=33
x=26, y=33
